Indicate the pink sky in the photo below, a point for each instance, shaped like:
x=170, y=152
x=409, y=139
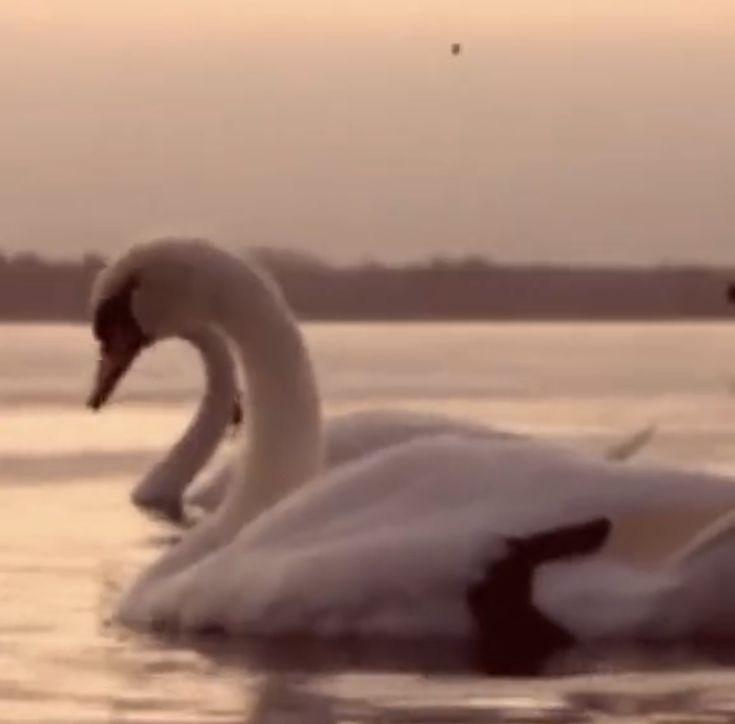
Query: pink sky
x=576, y=130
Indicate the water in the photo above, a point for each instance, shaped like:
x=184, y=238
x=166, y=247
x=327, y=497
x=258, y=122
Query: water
x=70, y=541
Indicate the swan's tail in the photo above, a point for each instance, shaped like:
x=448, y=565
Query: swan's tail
x=625, y=449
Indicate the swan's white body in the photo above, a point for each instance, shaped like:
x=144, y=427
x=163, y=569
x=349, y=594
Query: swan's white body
x=388, y=544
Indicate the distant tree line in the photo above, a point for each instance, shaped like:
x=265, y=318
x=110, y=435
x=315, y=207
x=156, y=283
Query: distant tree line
x=471, y=287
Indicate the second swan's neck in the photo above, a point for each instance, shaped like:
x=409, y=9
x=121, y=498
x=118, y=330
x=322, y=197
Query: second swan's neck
x=285, y=433
x=162, y=488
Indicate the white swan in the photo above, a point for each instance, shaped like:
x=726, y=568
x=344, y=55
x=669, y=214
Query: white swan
x=178, y=482
x=165, y=489
x=386, y=544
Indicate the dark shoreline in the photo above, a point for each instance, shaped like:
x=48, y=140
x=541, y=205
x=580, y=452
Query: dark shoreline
x=464, y=289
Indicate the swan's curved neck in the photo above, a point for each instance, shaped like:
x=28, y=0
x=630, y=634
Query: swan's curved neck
x=284, y=419
x=162, y=488
x=285, y=433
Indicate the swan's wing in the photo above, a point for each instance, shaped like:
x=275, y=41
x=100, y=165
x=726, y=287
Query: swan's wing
x=390, y=543
x=523, y=485
x=629, y=446
x=353, y=435
x=688, y=595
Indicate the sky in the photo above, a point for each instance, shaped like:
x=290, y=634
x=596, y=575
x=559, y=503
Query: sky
x=581, y=131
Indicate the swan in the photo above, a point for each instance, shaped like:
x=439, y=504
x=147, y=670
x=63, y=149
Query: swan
x=386, y=544
x=178, y=483
x=347, y=436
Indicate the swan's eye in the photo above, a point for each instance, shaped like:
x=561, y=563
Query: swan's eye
x=114, y=319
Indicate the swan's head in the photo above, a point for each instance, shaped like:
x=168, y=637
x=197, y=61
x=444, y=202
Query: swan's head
x=154, y=291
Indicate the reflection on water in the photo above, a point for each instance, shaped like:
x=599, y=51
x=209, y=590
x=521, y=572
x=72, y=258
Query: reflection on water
x=466, y=700
x=70, y=541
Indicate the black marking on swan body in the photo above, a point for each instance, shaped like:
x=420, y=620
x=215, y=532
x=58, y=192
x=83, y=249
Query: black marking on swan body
x=513, y=638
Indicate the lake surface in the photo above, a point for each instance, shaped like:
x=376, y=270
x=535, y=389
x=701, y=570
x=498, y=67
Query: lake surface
x=70, y=541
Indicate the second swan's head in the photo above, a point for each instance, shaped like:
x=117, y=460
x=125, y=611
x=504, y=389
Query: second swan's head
x=156, y=290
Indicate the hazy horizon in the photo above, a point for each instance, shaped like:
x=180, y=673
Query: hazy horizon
x=575, y=131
